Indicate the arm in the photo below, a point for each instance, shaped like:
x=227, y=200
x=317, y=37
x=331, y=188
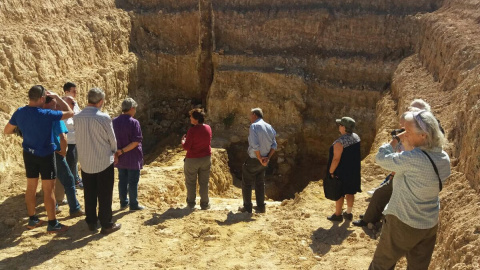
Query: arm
x=187, y=141
x=337, y=154
x=9, y=129
x=63, y=106
x=63, y=144
x=127, y=148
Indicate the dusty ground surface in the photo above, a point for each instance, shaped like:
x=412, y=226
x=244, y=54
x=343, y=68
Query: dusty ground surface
x=293, y=234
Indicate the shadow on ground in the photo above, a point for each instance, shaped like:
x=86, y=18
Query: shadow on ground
x=324, y=239
x=171, y=213
x=236, y=218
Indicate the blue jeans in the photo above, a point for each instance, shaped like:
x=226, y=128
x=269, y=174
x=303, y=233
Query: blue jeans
x=66, y=178
x=128, y=183
x=72, y=160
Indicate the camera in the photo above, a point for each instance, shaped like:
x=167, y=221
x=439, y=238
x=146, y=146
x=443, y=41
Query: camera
x=397, y=131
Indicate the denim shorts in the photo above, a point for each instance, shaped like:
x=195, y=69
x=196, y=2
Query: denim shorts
x=35, y=165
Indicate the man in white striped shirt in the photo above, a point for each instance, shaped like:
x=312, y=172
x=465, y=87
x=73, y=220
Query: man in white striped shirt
x=96, y=146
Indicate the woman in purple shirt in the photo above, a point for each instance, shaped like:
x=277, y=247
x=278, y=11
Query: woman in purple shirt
x=130, y=156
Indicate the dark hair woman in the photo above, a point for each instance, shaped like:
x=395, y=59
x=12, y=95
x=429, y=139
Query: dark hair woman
x=197, y=143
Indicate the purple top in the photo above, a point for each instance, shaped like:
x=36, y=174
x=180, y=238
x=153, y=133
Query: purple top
x=127, y=130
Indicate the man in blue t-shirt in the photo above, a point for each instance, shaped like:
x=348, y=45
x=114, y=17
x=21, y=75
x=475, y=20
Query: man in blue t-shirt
x=36, y=126
x=63, y=172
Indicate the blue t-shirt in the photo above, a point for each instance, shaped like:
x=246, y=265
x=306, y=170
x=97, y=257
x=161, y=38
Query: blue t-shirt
x=36, y=126
x=59, y=127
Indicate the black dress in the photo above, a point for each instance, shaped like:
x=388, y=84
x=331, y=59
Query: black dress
x=348, y=169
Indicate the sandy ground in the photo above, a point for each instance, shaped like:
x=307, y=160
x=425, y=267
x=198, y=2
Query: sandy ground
x=293, y=234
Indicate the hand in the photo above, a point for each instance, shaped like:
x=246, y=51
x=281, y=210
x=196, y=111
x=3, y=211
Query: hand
x=61, y=153
x=118, y=153
x=264, y=161
x=184, y=138
x=115, y=158
x=52, y=94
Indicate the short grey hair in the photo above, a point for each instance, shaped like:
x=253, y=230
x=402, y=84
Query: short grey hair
x=128, y=103
x=258, y=112
x=425, y=122
x=95, y=95
x=420, y=104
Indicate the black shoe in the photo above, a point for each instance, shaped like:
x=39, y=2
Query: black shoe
x=139, y=207
x=92, y=226
x=259, y=210
x=244, y=210
x=360, y=223
x=361, y=216
x=115, y=227
x=335, y=218
x=347, y=216
x=191, y=205
x=124, y=206
x=205, y=207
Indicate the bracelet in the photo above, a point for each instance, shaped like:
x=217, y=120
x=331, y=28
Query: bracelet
x=121, y=150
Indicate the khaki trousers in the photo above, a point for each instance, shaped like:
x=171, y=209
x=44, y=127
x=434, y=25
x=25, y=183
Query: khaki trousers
x=398, y=240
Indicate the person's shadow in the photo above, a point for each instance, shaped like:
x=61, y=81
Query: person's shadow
x=76, y=237
x=235, y=218
x=324, y=239
x=171, y=213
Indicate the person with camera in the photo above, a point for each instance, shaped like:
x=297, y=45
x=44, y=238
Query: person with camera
x=35, y=124
x=411, y=215
x=344, y=165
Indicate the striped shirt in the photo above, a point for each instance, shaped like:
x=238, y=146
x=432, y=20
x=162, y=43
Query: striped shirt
x=96, y=143
x=415, y=190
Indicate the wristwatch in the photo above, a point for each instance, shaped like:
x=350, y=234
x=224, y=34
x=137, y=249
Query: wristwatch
x=121, y=150
x=396, y=137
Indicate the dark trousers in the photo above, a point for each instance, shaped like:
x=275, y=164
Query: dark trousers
x=72, y=160
x=253, y=173
x=398, y=240
x=380, y=199
x=99, y=186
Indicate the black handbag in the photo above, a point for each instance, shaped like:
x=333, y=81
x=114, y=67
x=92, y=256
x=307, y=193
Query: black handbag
x=332, y=186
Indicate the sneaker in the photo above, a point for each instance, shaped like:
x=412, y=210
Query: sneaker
x=57, y=209
x=139, y=207
x=77, y=213
x=205, y=207
x=335, y=218
x=79, y=183
x=191, y=205
x=32, y=224
x=370, y=192
x=347, y=216
x=124, y=206
x=360, y=223
x=59, y=227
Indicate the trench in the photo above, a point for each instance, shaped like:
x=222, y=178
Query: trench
x=304, y=64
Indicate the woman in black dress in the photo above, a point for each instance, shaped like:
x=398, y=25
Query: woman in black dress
x=344, y=164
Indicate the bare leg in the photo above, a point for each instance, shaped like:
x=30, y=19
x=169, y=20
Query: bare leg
x=30, y=199
x=350, y=198
x=339, y=206
x=49, y=197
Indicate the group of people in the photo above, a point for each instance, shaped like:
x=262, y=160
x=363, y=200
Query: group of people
x=57, y=134
x=410, y=203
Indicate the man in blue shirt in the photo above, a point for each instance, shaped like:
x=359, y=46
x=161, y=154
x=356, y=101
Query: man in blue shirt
x=261, y=146
x=36, y=126
x=64, y=174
